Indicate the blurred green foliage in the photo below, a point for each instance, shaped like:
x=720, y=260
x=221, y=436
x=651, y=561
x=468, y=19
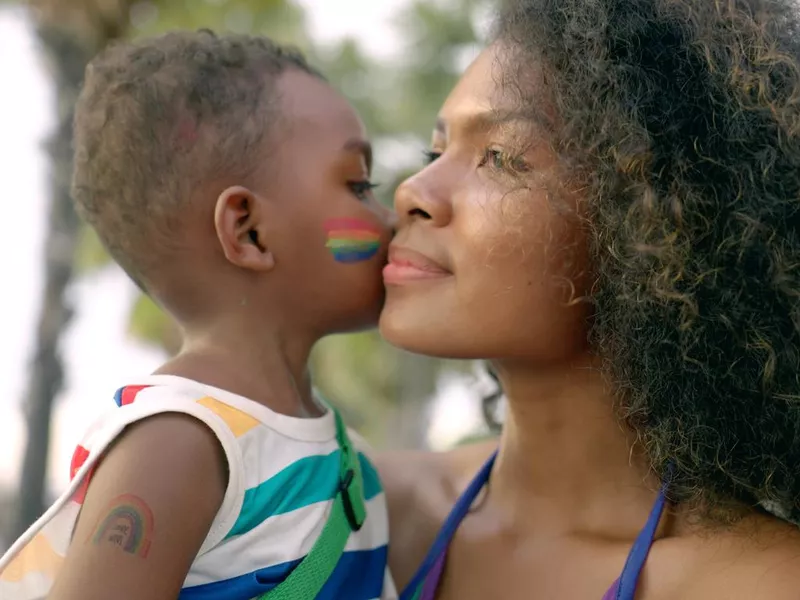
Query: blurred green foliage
x=382, y=391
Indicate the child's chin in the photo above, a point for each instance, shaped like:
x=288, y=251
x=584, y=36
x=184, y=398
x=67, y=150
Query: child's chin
x=361, y=318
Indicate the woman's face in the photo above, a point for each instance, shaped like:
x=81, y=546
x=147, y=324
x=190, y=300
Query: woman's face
x=489, y=257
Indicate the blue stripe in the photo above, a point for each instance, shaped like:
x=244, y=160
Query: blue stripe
x=359, y=575
x=118, y=396
x=307, y=481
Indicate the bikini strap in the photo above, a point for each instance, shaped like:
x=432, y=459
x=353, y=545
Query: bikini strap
x=448, y=530
x=629, y=579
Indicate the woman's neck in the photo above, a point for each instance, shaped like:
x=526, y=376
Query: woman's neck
x=566, y=465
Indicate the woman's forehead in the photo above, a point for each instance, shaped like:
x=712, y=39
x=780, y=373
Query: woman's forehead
x=487, y=96
x=476, y=90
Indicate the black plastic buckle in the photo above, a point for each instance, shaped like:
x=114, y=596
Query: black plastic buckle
x=347, y=503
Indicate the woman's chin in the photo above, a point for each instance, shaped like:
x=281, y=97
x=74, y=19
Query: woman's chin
x=421, y=334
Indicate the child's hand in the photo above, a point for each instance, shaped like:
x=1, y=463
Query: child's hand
x=147, y=512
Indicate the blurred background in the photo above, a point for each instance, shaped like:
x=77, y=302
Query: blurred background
x=73, y=327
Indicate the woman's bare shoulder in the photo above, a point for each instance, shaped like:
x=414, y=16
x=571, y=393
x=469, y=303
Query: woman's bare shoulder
x=421, y=488
x=762, y=564
x=420, y=473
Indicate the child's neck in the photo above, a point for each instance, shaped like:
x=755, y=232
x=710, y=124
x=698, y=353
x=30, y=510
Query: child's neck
x=266, y=367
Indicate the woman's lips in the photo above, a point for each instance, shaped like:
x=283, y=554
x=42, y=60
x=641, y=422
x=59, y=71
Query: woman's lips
x=406, y=265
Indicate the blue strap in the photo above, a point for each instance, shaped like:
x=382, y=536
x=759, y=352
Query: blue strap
x=450, y=527
x=641, y=548
x=630, y=574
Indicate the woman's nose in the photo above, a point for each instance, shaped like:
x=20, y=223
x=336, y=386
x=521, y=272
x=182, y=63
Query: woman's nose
x=420, y=198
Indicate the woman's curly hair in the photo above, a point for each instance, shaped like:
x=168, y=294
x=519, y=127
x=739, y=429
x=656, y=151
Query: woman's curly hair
x=681, y=119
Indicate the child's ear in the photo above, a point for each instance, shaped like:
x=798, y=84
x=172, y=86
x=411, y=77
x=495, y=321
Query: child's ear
x=239, y=218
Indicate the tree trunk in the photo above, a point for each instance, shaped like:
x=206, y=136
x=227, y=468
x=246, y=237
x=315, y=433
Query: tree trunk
x=70, y=34
x=67, y=59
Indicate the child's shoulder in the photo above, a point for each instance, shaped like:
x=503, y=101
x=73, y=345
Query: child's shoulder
x=117, y=523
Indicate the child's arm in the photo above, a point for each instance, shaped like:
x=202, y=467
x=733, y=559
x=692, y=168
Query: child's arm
x=146, y=514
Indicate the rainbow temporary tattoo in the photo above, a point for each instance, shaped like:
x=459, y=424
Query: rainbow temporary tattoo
x=352, y=240
x=128, y=525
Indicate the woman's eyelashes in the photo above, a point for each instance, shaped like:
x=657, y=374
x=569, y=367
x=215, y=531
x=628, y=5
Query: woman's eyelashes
x=501, y=160
x=362, y=189
x=491, y=157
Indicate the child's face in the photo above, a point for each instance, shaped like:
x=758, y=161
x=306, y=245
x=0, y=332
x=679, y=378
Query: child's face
x=325, y=230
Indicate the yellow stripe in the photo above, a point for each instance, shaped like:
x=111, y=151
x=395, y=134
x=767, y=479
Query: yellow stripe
x=38, y=556
x=352, y=243
x=238, y=421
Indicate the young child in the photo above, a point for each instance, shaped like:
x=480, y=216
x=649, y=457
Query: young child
x=232, y=184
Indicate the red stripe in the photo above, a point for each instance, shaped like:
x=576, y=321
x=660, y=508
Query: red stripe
x=344, y=224
x=78, y=458
x=129, y=393
x=81, y=454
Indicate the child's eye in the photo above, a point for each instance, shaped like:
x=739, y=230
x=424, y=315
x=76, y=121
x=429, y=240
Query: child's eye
x=503, y=161
x=430, y=156
x=362, y=189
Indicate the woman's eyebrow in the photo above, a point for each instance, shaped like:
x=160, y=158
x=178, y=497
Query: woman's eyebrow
x=487, y=120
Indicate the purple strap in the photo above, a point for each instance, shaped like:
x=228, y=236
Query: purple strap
x=426, y=582
x=434, y=576
x=438, y=550
x=612, y=592
x=431, y=584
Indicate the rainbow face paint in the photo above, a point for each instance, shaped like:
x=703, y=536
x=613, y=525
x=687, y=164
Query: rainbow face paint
x=352, y=240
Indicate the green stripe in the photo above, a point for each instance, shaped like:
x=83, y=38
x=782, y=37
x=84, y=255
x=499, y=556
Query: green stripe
x=310, y=480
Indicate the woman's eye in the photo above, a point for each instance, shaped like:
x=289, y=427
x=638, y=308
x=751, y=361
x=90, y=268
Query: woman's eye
x=497, y=159
x=362, y=189
x=502, y=161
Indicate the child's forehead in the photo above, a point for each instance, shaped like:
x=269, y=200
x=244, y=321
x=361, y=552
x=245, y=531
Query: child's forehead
x=309, y=103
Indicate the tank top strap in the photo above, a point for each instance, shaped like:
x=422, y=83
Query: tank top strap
x=425, y=582
x=624, y=588
x=434, y=561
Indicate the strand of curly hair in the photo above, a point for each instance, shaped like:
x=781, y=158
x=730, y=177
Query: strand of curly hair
x=681, y=119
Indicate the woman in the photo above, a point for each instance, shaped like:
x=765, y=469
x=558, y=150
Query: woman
x=610, y=214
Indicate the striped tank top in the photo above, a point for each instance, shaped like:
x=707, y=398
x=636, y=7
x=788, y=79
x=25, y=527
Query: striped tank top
x=283, y=478
x=425, y=583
